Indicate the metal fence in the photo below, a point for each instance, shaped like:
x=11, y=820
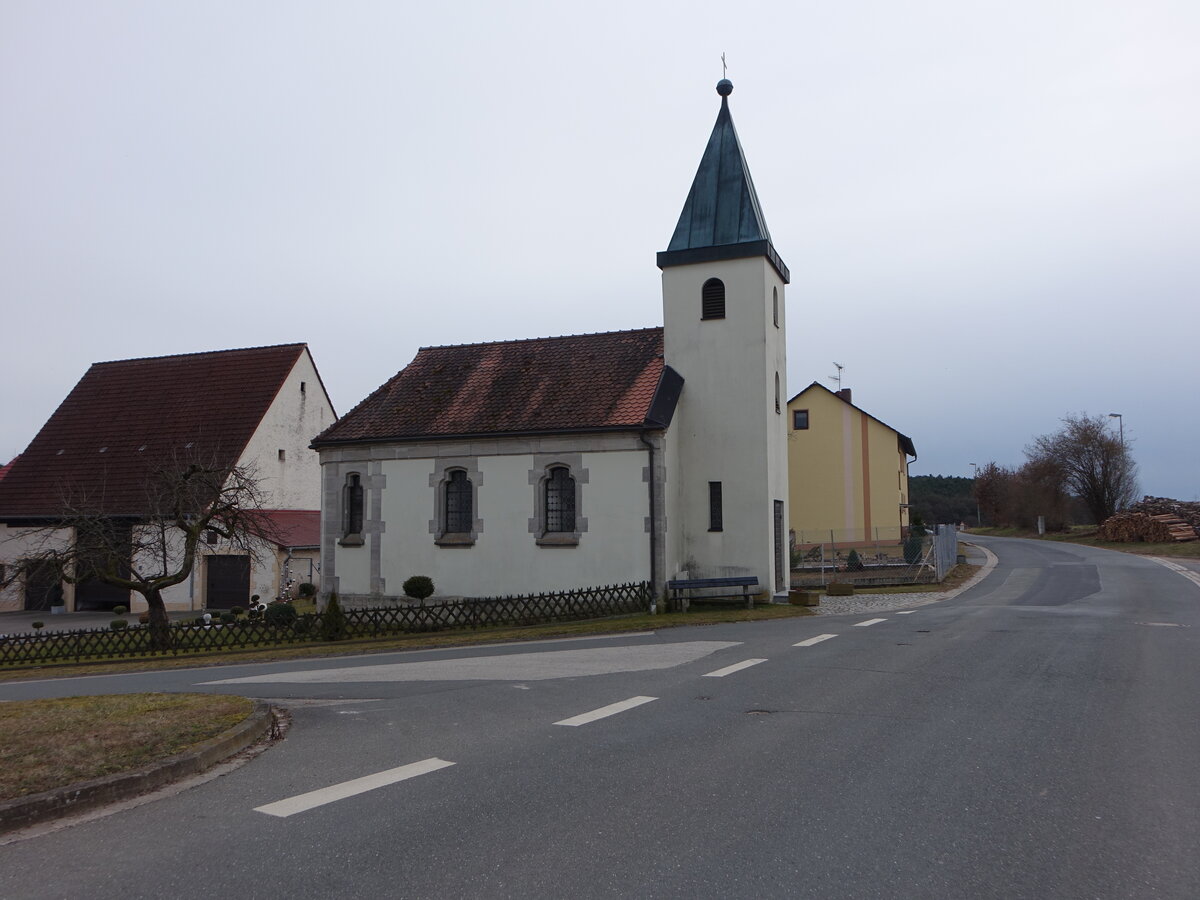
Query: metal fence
x=877, y=556
x=243, y=632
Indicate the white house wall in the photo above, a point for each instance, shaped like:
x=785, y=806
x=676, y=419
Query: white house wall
x=18, y=544
x=400, y=520
x=294, y=418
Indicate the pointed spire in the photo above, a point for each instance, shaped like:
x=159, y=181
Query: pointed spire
x=722, y=218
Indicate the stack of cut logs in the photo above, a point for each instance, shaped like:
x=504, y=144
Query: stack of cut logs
x=1155, y=520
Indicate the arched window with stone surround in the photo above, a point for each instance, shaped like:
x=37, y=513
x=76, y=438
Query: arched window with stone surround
x=459, y=511
x=352, y=506
x=560, y=501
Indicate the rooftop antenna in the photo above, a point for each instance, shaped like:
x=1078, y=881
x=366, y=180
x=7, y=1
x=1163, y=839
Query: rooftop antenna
x=837, y=379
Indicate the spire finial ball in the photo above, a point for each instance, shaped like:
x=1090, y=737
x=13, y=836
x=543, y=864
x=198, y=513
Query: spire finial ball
x=724, y=87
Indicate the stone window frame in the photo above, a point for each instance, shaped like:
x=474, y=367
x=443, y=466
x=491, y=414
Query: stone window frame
x=543, y=464
x=351, y=538
x=443, y=469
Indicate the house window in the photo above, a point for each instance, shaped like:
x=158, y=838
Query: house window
x=778, y=408
x=716, y=513
x=712, y=299
x=352, y=510
x=560, y=501
x=775, y=305
x=800, y=419
x=459, y=511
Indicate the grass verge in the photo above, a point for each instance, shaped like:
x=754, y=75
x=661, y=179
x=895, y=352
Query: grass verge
x=422, y=641
x=51, y=743
x=1086, y=536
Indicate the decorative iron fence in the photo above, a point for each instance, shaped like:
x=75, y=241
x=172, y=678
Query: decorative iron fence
x=244, y=633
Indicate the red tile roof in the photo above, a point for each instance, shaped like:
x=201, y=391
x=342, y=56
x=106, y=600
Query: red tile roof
x=294, y=528
x=544, y=385
x=127, y=416
x=4, y=469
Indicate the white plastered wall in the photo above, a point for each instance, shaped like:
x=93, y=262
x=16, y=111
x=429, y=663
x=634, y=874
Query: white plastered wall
x=294, y=418
x=726, y=427
x=506, y=557
x=18, y=544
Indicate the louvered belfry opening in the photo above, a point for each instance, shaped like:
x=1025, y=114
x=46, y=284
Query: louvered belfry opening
x=560, y=501
x=712, y=299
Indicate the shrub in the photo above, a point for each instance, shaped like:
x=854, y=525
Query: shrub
x=333, y=621
x=38, y=626
x=418, y=587
x=228, y=618
x=303, y=625
x=120, y=610
x=854, y=562
x=118, y=624
x=280, y=615
x=839, y=589
x=237, y=610
x=307, y=589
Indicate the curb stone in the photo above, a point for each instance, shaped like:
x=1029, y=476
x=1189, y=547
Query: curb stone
x=85, y=795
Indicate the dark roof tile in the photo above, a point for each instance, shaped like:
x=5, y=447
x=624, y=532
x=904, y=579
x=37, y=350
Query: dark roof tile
x=125, y=417
x=542, y=385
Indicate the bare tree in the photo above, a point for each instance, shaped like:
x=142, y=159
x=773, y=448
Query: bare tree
x=1094, y=462
x=156, y=548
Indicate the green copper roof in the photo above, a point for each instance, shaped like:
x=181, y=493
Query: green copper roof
x=722, y=218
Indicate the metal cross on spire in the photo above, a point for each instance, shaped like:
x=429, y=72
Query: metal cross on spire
x=724, y=68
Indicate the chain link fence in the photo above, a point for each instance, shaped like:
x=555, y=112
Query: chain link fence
x=877, y=556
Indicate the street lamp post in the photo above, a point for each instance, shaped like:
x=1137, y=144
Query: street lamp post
x=975, y=478
x=1121, y=422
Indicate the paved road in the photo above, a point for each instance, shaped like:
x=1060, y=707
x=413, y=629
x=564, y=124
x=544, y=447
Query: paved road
x=1035, y=737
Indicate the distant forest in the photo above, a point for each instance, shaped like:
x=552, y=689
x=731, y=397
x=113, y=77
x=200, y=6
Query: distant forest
x=941, y=499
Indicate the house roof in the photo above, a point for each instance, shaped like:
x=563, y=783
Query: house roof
x=583, y=382
x=906, y=443
x=293, y=529
x=126, y=417
x=722, y=218
x=5, y=468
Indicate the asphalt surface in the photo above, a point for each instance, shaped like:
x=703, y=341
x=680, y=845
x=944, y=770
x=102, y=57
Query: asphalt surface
x=1036, y=736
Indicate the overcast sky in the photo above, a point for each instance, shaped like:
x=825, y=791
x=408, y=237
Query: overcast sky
x=991, y=210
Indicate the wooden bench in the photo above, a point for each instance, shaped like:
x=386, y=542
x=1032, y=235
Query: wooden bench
x=678, y=588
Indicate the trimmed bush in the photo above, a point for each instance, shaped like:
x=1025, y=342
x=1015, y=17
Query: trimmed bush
x=280, y=615
x=854, y=562
x=418, y=587
x=333, y=621
x=38, y=626
x=118, y=625
x=307, y=589
x=839, y=589
x=120, y=610
x=228, y=618
x=238, y=611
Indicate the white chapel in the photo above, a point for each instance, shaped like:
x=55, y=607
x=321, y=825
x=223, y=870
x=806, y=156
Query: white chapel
x=557, y=463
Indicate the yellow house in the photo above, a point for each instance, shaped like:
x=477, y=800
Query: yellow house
x=847, y=471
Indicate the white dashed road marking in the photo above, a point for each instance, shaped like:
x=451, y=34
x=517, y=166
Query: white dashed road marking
x=303, y=802
x=868, y=622
x=815, y=640
x=736, y=667
x=603, y=712
x=906, y=612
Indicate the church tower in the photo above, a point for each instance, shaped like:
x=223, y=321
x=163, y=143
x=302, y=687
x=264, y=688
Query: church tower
x=724, y=332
